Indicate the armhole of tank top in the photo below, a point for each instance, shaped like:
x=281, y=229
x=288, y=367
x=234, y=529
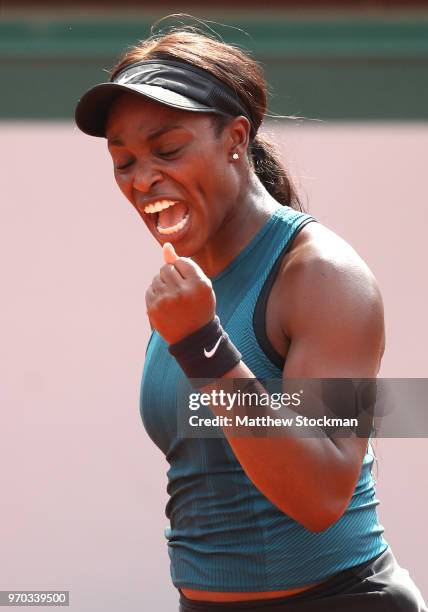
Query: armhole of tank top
x=150, y=339
x=259, y=315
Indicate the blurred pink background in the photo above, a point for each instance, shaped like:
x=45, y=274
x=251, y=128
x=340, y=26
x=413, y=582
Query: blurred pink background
x=83, y=486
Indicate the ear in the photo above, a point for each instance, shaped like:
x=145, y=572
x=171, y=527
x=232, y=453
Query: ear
x=238, y=136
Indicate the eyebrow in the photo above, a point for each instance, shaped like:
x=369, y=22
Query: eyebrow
x=114, y=140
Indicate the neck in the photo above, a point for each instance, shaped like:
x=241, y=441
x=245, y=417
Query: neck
x=239, y=227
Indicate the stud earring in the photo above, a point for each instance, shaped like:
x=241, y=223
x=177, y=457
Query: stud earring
x=235, y=156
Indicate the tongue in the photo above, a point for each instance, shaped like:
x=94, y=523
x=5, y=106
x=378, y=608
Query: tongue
x=172, y=215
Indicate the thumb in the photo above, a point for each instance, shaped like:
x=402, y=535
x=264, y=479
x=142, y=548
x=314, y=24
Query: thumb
x=169, y=254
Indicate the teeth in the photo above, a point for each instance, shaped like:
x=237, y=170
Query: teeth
x=174, y=228
x=158, y=206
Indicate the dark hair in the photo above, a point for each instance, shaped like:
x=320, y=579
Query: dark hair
x=243, y=74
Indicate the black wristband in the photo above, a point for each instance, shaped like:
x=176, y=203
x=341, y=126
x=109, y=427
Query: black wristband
x=207, y=352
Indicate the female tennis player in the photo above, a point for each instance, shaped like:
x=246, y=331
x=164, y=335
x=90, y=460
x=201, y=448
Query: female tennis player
x=251, y=286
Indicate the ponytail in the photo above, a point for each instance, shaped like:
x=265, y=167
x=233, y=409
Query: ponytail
x=272, y=174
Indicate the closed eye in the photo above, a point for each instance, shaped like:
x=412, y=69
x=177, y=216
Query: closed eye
x=163, y=154
x=124, y=166
x=167, y=154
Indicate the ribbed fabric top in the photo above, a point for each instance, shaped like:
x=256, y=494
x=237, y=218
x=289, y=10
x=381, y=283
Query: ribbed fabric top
x=224, y=534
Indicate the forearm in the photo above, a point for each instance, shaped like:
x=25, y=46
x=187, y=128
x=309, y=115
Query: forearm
x=307, y=478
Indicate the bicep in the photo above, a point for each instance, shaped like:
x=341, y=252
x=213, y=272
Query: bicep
x=334, y=321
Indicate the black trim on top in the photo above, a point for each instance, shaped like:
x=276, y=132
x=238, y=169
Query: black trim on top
x=150, y=339
x=259, y=315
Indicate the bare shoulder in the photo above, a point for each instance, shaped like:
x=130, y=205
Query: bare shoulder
x=325, y=287
x=317, y=243
x=319, y=253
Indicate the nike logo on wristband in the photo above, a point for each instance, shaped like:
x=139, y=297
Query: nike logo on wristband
x=213, y=350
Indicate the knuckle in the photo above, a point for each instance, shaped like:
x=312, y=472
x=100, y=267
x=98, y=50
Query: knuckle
x=206, y=288
x=186, y=290
x=169, y=299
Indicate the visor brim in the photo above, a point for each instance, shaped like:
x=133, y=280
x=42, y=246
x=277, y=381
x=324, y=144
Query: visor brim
x=94, y=106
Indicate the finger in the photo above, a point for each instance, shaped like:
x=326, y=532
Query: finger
x=185, y=266
x=170, y=275
x=169, y=254
x=158, y=284
x=150, y=297
x=188, y=268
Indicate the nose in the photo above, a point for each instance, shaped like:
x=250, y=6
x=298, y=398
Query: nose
x=146, y=177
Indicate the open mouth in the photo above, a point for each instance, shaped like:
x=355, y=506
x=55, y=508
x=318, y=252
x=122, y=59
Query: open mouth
x=170, y=217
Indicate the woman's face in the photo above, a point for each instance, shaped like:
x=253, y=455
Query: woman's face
x=172, y=160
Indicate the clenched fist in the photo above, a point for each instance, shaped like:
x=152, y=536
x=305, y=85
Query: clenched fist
x=180, y=298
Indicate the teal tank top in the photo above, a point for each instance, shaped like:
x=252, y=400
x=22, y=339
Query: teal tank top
x=223, y=533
